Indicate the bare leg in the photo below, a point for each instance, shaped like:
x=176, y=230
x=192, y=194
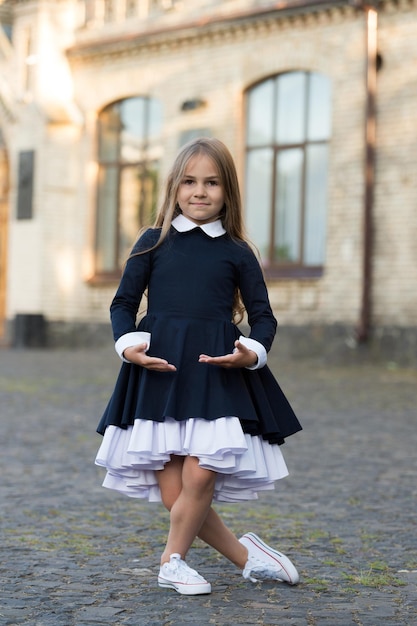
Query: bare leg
x=212, y=530
x=216, y=534
x=190, y=508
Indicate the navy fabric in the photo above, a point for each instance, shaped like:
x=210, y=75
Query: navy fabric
x=190, y=281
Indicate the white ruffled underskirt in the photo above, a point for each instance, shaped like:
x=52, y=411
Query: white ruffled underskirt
x=244, y=464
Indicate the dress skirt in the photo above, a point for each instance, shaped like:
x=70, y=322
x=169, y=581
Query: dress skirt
x=245, y=464
x=233, y=420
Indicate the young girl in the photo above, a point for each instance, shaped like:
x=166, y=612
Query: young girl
x=196, y=415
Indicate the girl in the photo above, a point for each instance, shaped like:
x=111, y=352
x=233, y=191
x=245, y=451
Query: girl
x=196, y=415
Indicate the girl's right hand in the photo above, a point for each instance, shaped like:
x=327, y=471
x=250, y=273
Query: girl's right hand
x=138, y=356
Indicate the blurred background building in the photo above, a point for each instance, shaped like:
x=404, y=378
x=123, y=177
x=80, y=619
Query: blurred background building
x=317, y=102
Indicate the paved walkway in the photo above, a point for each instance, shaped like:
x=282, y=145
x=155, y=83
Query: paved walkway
x=75, y=554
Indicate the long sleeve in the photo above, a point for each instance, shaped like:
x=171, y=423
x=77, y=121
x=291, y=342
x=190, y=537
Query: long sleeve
x=252, y=286
x=125, y=304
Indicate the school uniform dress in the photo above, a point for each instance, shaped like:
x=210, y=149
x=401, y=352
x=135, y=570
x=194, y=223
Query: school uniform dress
x=234, y=420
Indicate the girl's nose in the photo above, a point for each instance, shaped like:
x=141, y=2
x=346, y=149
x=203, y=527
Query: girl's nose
x=199, y=190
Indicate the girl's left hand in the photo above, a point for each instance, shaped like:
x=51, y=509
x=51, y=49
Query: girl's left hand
x=241, y=357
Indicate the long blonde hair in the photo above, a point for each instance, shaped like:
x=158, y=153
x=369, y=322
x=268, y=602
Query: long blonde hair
x=231, y=214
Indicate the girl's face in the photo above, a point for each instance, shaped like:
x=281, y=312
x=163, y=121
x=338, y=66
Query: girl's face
x=201, y=194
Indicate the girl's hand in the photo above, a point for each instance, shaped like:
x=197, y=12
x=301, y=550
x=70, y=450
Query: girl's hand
x=138, y=356
x=241, y=357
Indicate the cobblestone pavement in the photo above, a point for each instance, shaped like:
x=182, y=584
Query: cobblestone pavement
x=75, y=554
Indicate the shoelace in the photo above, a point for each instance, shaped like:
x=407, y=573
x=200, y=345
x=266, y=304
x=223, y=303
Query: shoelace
x=261, y=569
x=179, y=568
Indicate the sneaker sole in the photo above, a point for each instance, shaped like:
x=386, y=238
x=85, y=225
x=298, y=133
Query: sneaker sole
x=283, y=561
x=184, y=589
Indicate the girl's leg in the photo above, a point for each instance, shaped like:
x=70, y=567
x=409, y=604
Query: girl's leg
x=216, y=534
x=186, y=488
x=212, y=530
x=190, y=508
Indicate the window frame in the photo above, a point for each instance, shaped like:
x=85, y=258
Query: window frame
x=143, y=166
x=272, y=268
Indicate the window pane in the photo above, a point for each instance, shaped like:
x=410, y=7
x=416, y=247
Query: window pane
x=154, y=118
x=315, y=204
x=258, y=198
x=133, y=128
x=126, y=128
x=288, y=204
x=107, y=220
x=149, y=194
x=319, y=107
x=260, y=114
x=138, y=187
x=109, y=130
x=291, y=108
x=129, y=210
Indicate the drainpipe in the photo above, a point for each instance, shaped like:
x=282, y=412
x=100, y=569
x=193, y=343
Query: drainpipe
x=371, y=24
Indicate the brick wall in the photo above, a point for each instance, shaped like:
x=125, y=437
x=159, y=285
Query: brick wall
x=395, y=216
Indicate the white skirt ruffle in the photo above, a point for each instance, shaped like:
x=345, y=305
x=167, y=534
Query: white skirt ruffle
x=244, y=464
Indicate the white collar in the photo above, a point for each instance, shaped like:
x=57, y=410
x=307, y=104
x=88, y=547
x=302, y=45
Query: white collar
x=213, y=229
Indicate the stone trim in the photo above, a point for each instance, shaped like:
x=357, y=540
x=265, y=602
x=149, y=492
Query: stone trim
x=219, y=27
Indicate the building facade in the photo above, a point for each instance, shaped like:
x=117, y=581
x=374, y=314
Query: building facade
x=317, y=102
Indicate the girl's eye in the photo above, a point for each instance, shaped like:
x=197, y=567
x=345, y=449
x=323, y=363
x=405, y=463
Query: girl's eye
x=187, y=181
x=213, y=183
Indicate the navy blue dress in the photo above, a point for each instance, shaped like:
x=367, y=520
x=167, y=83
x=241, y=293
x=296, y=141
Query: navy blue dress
x=190, y=281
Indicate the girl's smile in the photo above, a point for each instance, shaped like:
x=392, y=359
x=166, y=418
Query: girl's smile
x=201, y=194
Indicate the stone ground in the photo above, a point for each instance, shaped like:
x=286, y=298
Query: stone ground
x=75, y=554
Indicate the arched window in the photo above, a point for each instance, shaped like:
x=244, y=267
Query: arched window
x=129, y=149
x=288, y=128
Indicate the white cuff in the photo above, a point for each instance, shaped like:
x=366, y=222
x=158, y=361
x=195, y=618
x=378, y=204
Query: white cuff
x=258, y=348
x=131, y=339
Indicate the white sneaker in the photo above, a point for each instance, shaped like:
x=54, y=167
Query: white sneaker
x=267, y=563
x=177, y=575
